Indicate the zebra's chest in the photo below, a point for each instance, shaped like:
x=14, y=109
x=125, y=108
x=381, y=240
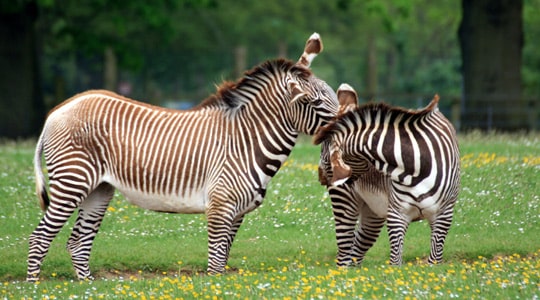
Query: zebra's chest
x=191, y=202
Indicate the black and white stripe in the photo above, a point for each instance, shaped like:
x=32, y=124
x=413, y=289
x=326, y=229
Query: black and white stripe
x=216, y=158
x=387, y=164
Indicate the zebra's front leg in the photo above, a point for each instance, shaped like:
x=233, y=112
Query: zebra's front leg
x=346, y=211
x=366, y=234
x=91, y=213
x=397, y=227
x=222, y=229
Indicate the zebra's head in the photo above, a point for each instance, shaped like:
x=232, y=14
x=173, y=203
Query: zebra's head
x=332, y=169
x=313, y=102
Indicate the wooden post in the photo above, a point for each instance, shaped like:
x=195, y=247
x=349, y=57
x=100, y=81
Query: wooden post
x=110, y=73
x=240, y=61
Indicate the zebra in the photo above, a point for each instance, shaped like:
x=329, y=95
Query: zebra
x=386, y=164
x=216, y=158
x=347, y=99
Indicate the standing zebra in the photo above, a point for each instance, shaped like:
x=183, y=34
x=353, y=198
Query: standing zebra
x=216, y=158
x=386, y=164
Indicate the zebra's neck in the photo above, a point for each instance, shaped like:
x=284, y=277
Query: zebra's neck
x=267, y=78
x=263, y=133
x=264, y=138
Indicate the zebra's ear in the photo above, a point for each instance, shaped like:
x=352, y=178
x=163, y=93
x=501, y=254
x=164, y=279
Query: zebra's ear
x=313, y=47
x=347, y=98
x=295, y=91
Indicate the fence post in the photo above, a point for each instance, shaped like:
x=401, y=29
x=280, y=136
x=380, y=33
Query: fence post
x=240, y=61
x=455, y=113
x=532, y=115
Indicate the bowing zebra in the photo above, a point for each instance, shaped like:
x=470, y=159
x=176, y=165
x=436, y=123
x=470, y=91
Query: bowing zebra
x=347, y=100
x=387, y=164
x=216, y=158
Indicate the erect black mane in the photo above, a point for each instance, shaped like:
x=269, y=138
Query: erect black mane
x=384, y=108
x=227, y=96
x=371, y=109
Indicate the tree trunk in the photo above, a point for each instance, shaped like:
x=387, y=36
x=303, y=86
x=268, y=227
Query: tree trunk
x=491, y=41
x=21, y=108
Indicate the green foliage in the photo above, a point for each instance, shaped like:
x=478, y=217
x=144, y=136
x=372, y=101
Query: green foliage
x=179, y=49
x=286, y=248
x=91, y=26
x=169, y=41
x=531, y=59
x=10, y=7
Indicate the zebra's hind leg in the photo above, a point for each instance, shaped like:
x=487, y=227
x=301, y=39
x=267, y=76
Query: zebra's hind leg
x=41, y=238
x=222, y=229
x=440, y=225
x=346, y=212
x=366, y=234
x=91, y=212
x=236, y=225
x=397, y=227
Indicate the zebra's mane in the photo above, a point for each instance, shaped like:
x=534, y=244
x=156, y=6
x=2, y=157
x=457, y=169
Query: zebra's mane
x=371, y=109
x=228, y=94
x=375, y=107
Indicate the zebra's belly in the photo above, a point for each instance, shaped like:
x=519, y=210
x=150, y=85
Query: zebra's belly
x=376, y=200
x=415, y=211
x=192, y=202
x=415, y=204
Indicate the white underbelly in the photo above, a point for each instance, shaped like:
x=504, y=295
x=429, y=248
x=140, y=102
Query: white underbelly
x=192, y=202
x=412, y=208
x=376, y=200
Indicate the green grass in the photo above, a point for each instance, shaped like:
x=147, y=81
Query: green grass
x=286, y=248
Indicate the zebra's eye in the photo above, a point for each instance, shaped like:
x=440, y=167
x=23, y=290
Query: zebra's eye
x=317, y=102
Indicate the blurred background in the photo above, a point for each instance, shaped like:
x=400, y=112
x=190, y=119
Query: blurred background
x=480, y=56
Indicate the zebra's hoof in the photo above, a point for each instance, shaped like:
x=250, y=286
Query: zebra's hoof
x=213, y=272
x=86, y=277
x=32, y=279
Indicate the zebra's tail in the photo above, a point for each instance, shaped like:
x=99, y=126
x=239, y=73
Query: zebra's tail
x=41, y=189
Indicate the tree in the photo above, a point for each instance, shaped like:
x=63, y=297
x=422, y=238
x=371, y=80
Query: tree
x=110, y=33
x=491, y=42
x=21, y=107
x=114, y=32
x=399, y=51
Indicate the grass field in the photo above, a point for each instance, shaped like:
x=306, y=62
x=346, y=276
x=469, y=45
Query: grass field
x=286, y=248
